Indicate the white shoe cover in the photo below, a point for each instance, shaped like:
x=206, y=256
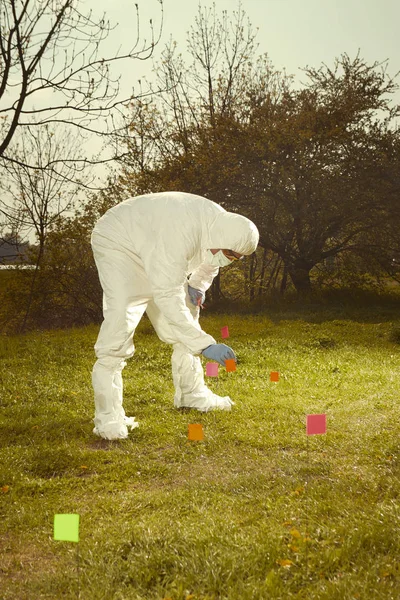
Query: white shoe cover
x=205, y=403
x=116, y=430
x=130, y=422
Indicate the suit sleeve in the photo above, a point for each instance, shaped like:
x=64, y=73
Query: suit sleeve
x=202, y=278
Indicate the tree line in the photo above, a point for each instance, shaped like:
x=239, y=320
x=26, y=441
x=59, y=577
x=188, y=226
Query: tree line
x=315, y=166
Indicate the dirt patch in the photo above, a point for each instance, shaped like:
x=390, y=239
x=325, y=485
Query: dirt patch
x=23, y=561
x=102, y=444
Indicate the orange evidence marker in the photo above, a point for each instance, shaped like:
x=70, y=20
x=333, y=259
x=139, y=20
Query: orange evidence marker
x=196, y=432
x=230, y=365
x=274, y=376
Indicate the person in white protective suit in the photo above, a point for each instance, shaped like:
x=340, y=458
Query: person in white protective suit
x=145, y=249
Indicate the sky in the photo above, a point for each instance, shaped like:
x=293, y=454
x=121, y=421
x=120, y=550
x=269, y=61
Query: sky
x=294, y=33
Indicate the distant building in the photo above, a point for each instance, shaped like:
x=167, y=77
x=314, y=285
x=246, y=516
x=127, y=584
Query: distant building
x=13, y=252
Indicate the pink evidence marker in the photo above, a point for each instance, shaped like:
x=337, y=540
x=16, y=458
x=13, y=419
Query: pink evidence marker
x=212, y=369
x=225, y=332
x=274, y=376
x=316, y=424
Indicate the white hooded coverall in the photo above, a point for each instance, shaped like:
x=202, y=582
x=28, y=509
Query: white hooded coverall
x=145, y=248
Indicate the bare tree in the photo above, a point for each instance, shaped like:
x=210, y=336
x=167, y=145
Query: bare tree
x=38, y=197
x=51, y=49
x=222, y=51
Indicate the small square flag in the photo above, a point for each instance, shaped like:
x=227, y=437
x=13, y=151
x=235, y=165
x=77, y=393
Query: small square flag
x=225, y=332
x=230, y=365
x=316, y=424
x=212, y=369
x=66, y=528
x=274, y=376
x=196, y=432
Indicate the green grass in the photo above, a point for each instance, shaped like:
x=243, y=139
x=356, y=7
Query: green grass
x=216, y=519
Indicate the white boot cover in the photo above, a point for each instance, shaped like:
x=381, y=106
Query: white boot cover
x=114, y=430
x=110, y=420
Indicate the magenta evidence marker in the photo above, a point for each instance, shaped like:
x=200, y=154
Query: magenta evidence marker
x=316, y=424
x=225, y=332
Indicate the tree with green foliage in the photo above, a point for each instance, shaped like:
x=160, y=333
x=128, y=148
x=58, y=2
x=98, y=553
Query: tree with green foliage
x=323, y=182
x=311, y=167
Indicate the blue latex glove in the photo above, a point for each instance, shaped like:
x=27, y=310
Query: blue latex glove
x=196, y=297
x=219, y=352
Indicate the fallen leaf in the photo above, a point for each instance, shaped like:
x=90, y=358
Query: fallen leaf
x=84, y=467
x=287, y=523
x=295, y=533
x=5, y=489
x=293, y=548
x=284, y=562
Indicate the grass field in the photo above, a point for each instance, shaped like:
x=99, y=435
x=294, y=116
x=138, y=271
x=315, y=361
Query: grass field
x=256, y=511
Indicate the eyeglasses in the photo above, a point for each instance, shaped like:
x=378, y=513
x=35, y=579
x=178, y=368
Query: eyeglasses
x=231, y=255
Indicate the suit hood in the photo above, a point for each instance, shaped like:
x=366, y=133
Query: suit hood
x=232, y=232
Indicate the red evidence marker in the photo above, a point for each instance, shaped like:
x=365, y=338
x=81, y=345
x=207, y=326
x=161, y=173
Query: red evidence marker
x=230, y=365
x=196, y=433
x=212, y=369
x=274, y=376
x=316, y=424
x=225, y=332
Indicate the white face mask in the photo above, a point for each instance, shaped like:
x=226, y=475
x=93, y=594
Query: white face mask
x=218, y=259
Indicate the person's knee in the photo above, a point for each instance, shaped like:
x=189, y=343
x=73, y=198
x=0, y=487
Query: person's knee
x=183, y=360
x=109, y=363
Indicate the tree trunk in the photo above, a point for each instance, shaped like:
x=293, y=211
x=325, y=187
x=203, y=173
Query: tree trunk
x=216, y=289
x=283, y=286
x=252, y=271
x=33, y=285
x=263, y=270
x=300, y=277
